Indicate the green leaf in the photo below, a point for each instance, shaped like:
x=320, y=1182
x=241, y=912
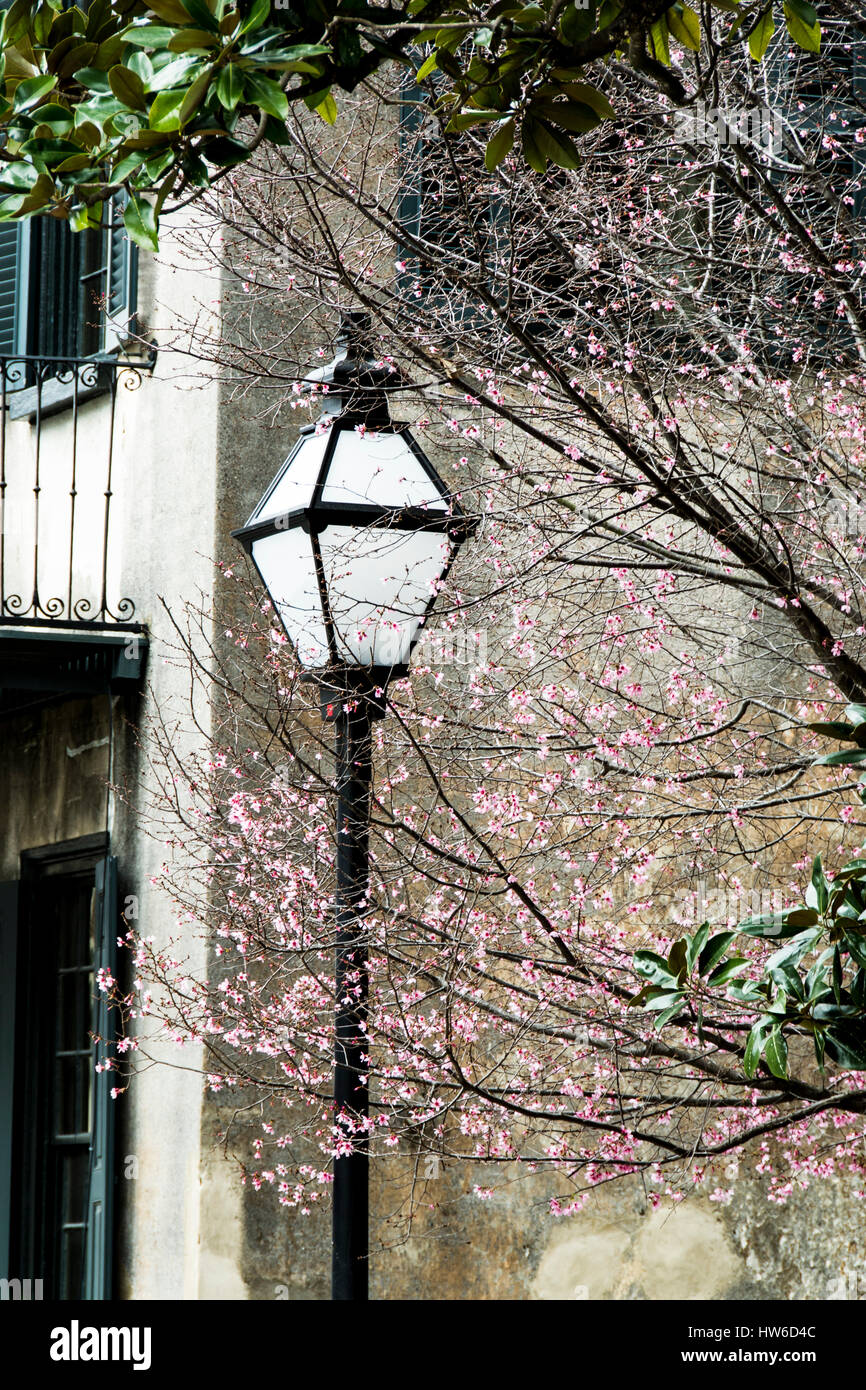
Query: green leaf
x=695, y=944
x=94, y=79
x=275, y=132
x=531, y=150
x=856, y=944
x=591, y=97
x=172, y=11
x=165, y=112
x=465, y=120
x=807, y=36
x=571, y=115
x=224, y=151
x=776, y=1054
x=499, y=146
x=678, y=959
x=193, y=40
x=796, y=949
x=194, y=97
x=267, y=94
x=755, y=1045
x=664, y=998
x=429, y=65
x=820, y=885
x=759, y=38
x=843, y=757
x=652, y=966
x=668, y=1014
x=856, y=713
x=832, y=728
x=714, y=950
x=127, y=87
x=576, y=23
x=139, y=219
x=685, y=25
x=259, y=12
x=727, y=970
x=659, y=37
x=557, y=146
x=86, y=218
x=201, y=15
x=846, y=1046
x=229, y=86
x=779, y=924
x=19, y=176
x=327, y=109
x=30, y=92
x=148, y=35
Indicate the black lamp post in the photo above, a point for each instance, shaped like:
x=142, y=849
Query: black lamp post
x=352, y=540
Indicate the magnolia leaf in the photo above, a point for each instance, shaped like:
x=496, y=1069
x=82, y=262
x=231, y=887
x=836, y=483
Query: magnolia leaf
x=139, y=219
x=714, y=950
x=592, y=97
x=327, y=109
x=558, y=148
x=807, y=36
x=776, y=1054
x=659, y=37
x=499, y=146
x=685, y=25
x=30, y=92
x=259, y=12
x=759, y=38
x=170, y=10
x=148, y=35
x=267, y=94
x=165, y=111
x=727, y=970
x=194, y=97
x=128, y=87
x=229, y=86
x=429, y=65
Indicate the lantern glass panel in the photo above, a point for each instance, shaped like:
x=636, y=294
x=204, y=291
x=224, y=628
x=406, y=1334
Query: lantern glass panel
x=293, y=489
x=285, y=562
x=380, y=584
x=379, y=469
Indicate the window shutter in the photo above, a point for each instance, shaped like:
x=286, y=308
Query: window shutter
x=8, y=959
x=10, y=243
x=121, y=287
x=100, y=1205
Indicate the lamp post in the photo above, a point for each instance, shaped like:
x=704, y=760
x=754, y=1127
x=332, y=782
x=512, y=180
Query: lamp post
x=352, y=541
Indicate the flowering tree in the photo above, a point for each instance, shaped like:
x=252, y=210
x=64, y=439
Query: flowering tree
x=646, y=377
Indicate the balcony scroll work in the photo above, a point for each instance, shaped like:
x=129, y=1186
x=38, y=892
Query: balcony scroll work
x=67, y=623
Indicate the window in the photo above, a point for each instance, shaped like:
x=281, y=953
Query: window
x=56, y=1150
x=62, y=293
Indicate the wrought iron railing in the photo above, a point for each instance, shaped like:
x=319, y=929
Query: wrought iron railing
x=59, y=564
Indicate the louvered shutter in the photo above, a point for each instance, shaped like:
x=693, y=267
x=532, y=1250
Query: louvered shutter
x=121, y=278
x=100, y=1202
x=10, y=242
x=8, y=955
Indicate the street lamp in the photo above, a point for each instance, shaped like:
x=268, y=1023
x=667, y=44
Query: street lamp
x=352, y=541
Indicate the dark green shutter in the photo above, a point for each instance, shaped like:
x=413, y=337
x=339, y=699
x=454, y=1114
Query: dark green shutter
x=121, y=281
x=8, y=963
x=10, y=240
x=98, y=1260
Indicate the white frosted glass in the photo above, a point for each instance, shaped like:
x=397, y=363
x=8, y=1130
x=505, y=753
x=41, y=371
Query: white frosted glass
x=295, y=488
x=285, y=562
x=380, y=470
x=380, y=584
